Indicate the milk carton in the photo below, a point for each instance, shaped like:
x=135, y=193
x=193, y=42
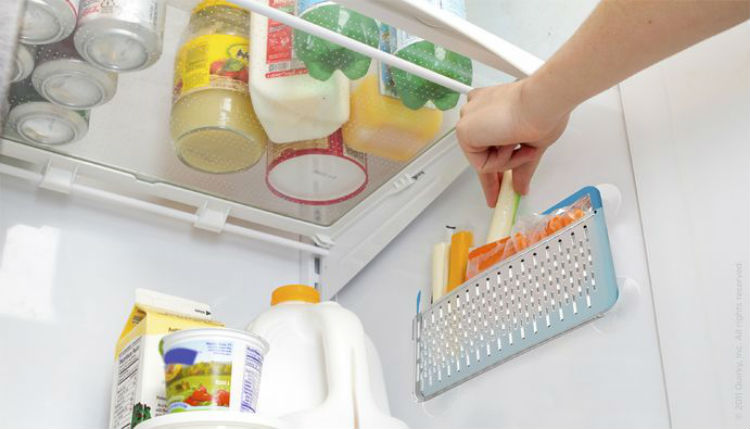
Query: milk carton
x=138, y=391
x=291, y=105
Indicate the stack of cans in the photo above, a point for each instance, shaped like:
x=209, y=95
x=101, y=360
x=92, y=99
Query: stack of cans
x=68, y=58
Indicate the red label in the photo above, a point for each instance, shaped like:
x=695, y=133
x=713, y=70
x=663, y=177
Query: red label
x=336, y=143
x=280, y=58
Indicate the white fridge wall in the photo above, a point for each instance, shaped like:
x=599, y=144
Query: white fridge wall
x=68, y=269
x=688, y=121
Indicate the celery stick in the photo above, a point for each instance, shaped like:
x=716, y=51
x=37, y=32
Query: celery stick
x=505, y=211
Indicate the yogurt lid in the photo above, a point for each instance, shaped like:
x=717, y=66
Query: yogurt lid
x=74, y=83
x=213, y=334
x=211, y=420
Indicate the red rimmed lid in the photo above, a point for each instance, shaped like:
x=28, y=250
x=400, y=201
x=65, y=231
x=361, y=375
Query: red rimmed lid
x=316, y=172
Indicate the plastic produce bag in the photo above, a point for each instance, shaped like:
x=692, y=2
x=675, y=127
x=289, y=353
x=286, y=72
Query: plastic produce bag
x=527, y=231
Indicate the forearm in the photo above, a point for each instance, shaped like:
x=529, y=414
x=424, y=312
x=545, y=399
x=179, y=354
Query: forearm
x=622, y=37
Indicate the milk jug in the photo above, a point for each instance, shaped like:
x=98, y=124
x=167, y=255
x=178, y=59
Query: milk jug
x=291, y=105
x=321, y=369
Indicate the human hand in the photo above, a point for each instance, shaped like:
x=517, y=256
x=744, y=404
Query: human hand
x=508, y=127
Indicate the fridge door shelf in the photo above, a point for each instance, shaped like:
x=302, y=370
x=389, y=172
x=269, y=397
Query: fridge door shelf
x=555, y=285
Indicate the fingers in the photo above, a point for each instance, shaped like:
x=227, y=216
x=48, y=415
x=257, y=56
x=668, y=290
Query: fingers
x=496, y=136
x=498, y=159
x=490, y=186
x=523, y=173
x=483, y=128
x=523, y=162
x=495, y=159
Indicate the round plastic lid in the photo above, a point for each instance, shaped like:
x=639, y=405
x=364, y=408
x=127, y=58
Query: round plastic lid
x=117, y=49
x=302, y=293
x=40, y=24
x=45, y=123
x=317, y=178
x=74, y=83
x=211, y=420
x=214, y=333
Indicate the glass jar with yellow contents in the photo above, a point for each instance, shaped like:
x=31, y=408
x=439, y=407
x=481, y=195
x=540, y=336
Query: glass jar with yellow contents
x=213, y=125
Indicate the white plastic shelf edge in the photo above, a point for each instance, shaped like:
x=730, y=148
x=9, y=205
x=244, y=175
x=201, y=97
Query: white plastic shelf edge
x=111, y=197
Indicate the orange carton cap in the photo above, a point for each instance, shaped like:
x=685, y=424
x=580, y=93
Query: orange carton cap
x=302, y=293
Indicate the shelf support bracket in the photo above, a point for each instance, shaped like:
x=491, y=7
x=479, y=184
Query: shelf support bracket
x=323, y=241
x=211, y=219
x=59, y=179
x=405, y=181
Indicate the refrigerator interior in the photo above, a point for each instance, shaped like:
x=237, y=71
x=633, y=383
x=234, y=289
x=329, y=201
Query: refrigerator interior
x=69, y=266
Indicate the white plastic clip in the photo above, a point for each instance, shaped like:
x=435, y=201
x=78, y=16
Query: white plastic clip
x=405, y=181
x=211, y=219
x=58, y=179
x=323, y=241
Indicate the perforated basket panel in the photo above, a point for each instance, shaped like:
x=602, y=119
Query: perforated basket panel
x=553, y=286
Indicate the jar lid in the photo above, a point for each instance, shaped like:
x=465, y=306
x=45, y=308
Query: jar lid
x=211, y=3
x=302, y=293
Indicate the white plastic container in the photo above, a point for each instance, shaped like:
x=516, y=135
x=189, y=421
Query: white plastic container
x=316, y=172
x=321, y=370
x=48, y=21
x=121, y=35
x=64, y=78
x=291, y=105
x=213, y=369
x=23, y=63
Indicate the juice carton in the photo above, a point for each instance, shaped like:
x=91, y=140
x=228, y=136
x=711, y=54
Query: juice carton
x=138, y=389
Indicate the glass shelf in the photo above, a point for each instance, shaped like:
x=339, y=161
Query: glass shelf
x=131, y=133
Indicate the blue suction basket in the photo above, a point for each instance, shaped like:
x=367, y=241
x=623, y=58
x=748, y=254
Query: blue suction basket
x=547, y=289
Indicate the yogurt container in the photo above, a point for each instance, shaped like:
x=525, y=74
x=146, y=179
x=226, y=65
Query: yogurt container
x=212, y=369
x=316, y=172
